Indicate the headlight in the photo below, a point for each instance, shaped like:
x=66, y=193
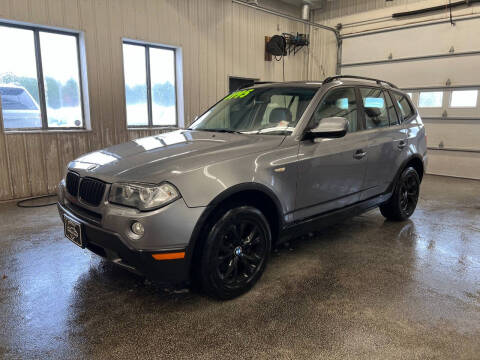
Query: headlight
x=143, y=197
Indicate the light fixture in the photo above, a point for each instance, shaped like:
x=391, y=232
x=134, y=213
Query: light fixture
x=138, y=228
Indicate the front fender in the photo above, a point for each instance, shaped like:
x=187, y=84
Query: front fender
x=273, y=171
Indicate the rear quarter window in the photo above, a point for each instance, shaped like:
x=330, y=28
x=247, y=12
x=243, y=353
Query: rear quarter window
x=407, y=110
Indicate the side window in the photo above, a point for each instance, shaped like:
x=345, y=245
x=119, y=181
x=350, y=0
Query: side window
x=150, y=85
x=392, y=113
x=40, y=79
x=404, y=106
x=376, y=114
x=338, y=102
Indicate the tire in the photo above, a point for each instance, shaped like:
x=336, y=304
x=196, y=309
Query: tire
x=235, y=253
x=404, y=199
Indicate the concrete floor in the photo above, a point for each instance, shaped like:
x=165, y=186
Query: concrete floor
x=364, y=289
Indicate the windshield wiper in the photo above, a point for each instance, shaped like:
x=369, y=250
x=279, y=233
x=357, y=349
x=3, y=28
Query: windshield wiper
x=221, y=131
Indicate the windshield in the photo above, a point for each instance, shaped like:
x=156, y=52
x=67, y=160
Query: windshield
x=274, y=111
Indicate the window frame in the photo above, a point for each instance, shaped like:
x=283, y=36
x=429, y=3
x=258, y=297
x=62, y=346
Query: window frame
x=388, y=94
x=41, y=80
x=147, y=46
x=450, y=97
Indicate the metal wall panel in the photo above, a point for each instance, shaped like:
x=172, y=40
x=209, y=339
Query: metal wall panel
x=411, y=42
x=218, y=39
x=353, y=8
x=454, y=134
x=454, y=163
x=461, y=70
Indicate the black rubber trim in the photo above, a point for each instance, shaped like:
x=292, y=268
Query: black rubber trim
x=331, y=217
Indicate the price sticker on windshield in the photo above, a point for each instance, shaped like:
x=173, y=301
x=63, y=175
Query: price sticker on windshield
x=239, y=94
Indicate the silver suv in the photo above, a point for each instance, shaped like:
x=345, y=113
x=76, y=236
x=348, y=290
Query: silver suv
x=207, y=204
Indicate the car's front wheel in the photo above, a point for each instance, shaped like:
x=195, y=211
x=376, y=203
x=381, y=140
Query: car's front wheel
x=404, y=199
x=235, y=252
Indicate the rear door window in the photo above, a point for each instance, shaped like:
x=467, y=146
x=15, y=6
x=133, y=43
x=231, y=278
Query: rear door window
x=375, y=108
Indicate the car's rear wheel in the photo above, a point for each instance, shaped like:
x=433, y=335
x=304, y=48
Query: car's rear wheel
x=235, y=252
x=404, y=200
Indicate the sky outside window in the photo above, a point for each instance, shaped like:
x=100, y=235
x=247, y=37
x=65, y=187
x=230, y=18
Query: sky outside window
x=464, y=98
x=18, y=79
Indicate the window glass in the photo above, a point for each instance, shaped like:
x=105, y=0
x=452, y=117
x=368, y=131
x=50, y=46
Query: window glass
x=464, y=98
x=151, y=102
x=392, y=112
x=265, y=110
x=410, y=95
x=338, y=102
x=18, y=79
x=162, y=75
x=62, y=80
x=281, y=101
x=376, y=114
x=23, y=105
x=135, y=84
x=404, y=106
x=430, y=99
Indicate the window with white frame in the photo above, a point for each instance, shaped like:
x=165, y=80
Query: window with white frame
x=150, y=85
x=464, y=99
x=40, y=79
x=430, y=99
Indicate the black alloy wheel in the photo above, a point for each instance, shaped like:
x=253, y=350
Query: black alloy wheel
x=409, y=189
x=236, y=252
x=404, y=199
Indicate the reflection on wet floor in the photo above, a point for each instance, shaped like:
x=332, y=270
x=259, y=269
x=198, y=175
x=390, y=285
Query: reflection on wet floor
x=360, y=289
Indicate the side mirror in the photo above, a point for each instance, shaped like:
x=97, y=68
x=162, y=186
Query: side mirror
x=331, y=127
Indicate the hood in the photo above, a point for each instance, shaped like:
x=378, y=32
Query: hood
x=158, y=158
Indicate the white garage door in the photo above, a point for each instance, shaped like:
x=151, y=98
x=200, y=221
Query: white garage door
x=439, y=65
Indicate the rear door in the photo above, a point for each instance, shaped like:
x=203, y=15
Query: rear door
x=387, y=139
x=331, y=171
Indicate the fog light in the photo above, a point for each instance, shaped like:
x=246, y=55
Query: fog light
x=138, y=229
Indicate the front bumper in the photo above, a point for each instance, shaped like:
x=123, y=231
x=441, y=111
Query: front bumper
x=109, y=245
x=107, y=232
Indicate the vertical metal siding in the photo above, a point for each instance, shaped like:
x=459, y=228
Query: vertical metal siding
x=218, y=38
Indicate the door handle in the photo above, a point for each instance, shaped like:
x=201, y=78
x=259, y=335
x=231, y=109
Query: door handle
x=402, y=144
x=359, y=154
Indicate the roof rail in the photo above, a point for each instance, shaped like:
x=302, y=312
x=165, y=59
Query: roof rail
x=257, y=83
x=378, y=81
x=265, y=82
